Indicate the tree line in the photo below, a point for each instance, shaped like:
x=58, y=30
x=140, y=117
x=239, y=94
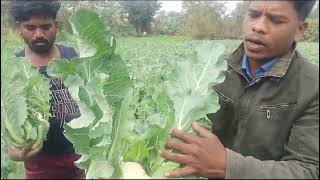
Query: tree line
x=199, y=19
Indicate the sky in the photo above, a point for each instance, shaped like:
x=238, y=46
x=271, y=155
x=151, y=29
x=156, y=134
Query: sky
x=177, y=5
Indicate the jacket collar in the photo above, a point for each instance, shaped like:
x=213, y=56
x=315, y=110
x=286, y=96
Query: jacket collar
x=279, y=68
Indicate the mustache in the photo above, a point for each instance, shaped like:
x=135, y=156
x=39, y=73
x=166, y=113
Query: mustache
x=40, y=41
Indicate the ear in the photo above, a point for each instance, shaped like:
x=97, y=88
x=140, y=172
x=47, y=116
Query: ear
x=302, y=27
x=57, y=24
x=18, y=25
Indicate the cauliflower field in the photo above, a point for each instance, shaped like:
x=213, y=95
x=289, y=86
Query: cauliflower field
x=148, y=60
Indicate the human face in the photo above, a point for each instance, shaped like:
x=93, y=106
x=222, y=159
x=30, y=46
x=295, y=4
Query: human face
x=270, y=28
x=39, y=33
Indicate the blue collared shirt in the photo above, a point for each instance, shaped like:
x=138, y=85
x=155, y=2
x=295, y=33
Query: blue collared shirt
x=259, y=72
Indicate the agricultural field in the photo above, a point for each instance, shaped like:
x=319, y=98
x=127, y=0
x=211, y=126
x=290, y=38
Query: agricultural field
x=151, y=53
x=146, y=58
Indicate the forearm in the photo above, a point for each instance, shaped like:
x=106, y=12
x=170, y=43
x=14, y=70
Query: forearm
x=239, y=166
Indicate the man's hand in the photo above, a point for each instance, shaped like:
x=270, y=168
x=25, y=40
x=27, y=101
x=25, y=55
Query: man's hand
x=17, y=154
x=203, y=156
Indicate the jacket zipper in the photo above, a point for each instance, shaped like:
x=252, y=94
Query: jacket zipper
x=255, y=80
x=268, y=112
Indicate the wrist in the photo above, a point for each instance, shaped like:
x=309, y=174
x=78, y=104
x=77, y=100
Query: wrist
x=225, y=163
x=219, y=171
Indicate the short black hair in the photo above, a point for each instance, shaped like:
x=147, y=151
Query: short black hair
x=23, y=10
x=303, y=7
